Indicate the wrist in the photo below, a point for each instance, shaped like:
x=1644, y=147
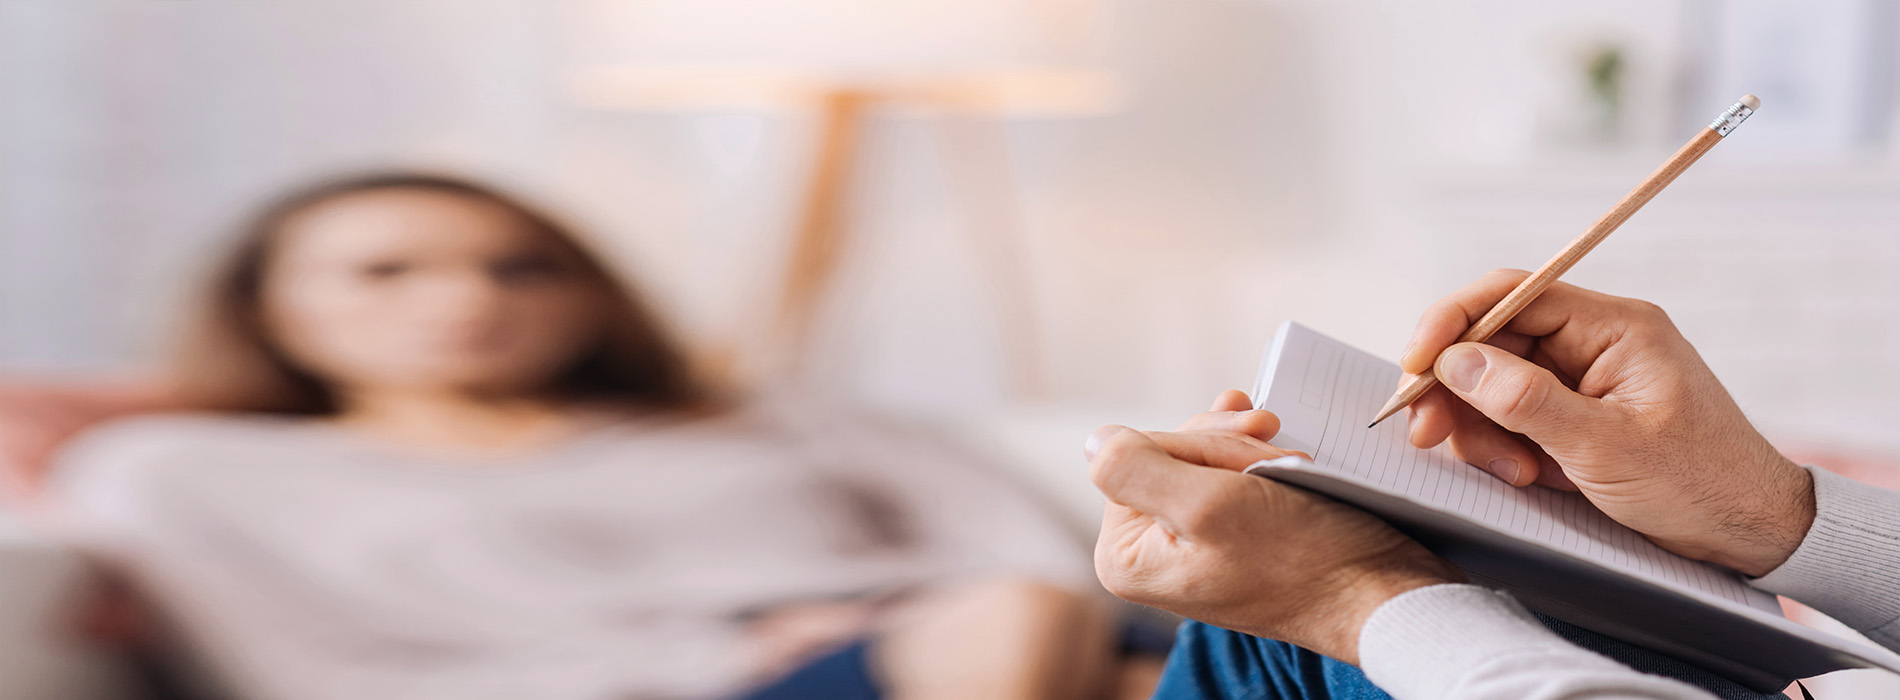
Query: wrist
x=1775, y=528
x=1368, y=590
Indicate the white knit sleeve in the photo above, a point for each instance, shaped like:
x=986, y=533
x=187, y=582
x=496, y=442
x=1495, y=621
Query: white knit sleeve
x=1464, y=641
x=1848, y=566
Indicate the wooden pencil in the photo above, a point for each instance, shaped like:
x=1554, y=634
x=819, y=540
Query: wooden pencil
x=1416, y=385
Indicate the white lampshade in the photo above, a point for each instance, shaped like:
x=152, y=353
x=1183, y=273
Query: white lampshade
x=869, y=36
x=995, y=55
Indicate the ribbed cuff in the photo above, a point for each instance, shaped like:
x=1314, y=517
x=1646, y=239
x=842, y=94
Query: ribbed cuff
x=1848, y=566
x=1426, y=642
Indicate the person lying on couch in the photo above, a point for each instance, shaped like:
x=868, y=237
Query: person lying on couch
x=422, y=444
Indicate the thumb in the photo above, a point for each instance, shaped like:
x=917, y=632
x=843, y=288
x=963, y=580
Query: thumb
x=1516, y=394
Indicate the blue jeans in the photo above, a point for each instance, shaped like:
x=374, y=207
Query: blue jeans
x=1216, y=664
x=842, y=674
x=845, y=673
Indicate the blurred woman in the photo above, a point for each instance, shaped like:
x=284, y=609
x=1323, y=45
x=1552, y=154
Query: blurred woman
x=437, y=451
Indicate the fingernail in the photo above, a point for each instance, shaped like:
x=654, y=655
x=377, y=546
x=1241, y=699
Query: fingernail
x=1506, y=469
x=1460, y=368
x=1097, y=438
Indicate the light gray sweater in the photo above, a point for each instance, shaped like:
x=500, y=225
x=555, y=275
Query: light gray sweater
x=1462, y=641
x=305, y=562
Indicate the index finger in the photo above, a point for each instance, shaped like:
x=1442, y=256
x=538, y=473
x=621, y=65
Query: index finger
x=1151, y=471
x=1583, y=322
x=1134, y=470
x=1220, y=449
x=1260, y=425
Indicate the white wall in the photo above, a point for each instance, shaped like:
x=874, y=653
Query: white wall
x=1342, y=163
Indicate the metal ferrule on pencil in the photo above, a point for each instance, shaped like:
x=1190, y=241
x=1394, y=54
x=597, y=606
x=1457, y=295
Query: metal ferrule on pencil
x=1736, y=114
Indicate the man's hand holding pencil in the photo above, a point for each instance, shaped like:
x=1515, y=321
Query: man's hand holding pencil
x=1591, y=392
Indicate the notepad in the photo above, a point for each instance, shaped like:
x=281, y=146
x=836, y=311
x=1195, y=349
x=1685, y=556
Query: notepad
x=1551, y=549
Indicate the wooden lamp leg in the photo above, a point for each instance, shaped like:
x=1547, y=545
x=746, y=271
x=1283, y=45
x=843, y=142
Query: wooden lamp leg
x=820, y=239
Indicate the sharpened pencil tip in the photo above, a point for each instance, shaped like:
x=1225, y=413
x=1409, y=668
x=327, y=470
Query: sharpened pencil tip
x=1369, y=425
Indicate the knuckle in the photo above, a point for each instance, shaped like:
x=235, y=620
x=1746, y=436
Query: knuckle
x=1443, y=312
x=1520, y=395
x=1662, y=317
x=1238, y=440
x=1649, y=321
x=1258, y=422
x=1647, y=310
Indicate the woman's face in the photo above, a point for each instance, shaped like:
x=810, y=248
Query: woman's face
x=431, y=291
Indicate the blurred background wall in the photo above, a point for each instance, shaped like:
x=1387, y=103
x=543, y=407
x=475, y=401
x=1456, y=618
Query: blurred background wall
x=1342, y=163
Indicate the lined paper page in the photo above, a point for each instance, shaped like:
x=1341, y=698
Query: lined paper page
x=1325, y=391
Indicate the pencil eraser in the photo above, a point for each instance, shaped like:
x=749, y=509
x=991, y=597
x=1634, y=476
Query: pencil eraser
x=1752, y=102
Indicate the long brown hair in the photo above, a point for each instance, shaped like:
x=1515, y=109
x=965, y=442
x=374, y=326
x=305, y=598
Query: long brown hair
x=229, y=361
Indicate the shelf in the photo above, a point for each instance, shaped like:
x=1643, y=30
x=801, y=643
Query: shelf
x=1873, y=178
